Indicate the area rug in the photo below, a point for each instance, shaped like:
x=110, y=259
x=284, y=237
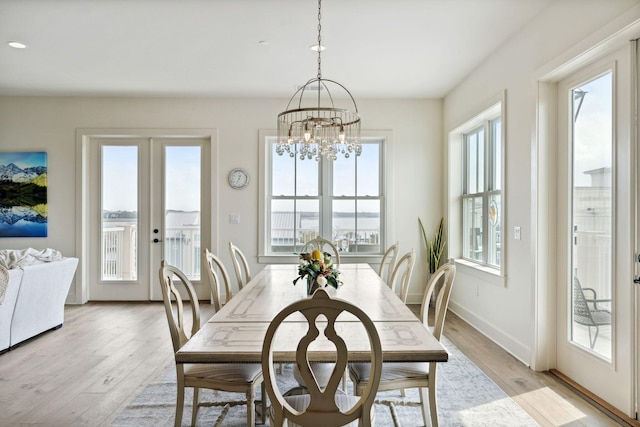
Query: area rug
x=466, y=397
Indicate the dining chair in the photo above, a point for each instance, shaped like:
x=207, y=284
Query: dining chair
x=421, y=375
x=214, y=263
x=322, y=245
x=388, y=261
x=322, y=407
x=590, y=316
x=239, y=378
x=402, y=273
x=240, y=264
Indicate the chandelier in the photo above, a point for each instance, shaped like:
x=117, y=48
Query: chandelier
x=312, y=126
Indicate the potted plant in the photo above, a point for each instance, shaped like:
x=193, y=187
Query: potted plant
x=435, y=250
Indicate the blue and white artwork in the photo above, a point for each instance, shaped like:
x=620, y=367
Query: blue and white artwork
x=23, y=194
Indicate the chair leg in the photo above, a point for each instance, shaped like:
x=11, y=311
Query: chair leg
x=595, y=337
x=251, y=407
x=433, y=406
x=194, y=409
x=424, y=406
x=263, y=415
x=179, y=402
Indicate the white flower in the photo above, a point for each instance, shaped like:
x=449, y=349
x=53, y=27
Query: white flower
x=321, y=281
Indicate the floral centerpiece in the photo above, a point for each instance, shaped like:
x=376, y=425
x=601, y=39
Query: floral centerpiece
x=319, y=270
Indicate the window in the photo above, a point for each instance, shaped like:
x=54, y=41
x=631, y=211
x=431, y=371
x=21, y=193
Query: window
x=341, y=201
x=482, y=190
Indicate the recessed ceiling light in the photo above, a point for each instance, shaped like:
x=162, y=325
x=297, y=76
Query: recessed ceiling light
x=315, y=48
x=263, y=43
x=17, y=45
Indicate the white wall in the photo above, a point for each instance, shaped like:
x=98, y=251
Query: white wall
x=507, y=313
x=49, y=124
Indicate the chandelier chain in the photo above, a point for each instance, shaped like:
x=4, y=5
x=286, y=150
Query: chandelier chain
x=319, y=39
x=315, y=132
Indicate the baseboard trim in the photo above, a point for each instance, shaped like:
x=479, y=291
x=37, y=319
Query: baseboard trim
x=612, y=412
x=506, y=342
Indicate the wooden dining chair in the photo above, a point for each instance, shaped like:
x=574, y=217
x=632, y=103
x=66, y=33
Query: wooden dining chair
x=400, y=376
x=214, y=266
x=240, y=265
x=322, y=245
x=326, y=407
x=402, y=274
x=239, y=378
x=388, y=262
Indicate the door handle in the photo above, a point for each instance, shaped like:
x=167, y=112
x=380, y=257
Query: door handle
x=637, y=281
x=156, y=240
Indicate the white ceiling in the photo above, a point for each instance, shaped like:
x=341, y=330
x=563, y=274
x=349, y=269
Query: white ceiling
x=376, y=48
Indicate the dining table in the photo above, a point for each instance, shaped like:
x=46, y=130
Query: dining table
x=236, y=332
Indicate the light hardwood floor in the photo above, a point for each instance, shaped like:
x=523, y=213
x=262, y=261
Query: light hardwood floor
x=105, y=354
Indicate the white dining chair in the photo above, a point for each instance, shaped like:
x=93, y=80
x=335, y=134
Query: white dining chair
x=323, y=245
x=402, y=274
x=322, y=407
x=400, y=376
x=214, y=266
x=240, y=265
x=239, y=378
x=388, y=262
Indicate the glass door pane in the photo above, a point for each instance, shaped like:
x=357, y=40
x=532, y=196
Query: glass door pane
x=182, y=203
x=592, y=215
x=119, y=224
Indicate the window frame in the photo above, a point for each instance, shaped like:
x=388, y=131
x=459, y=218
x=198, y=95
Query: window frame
x=325, y=197
x=493, y=111
x=487, y=190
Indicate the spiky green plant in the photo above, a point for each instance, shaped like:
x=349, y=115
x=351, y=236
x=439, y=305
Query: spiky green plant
x=435, y=247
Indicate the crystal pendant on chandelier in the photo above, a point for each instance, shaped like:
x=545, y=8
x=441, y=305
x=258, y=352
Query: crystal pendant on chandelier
x=312, y=126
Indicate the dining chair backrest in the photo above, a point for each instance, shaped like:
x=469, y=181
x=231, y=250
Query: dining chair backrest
x=171, y=295
x=402, y=273
x=448, y=272
x=322, y=245
x=214, y=266
x=388, y=262
x=240, y=264
x=322, y=409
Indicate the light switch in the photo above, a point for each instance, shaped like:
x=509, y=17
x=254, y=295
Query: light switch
x=234, y=219
x=516, y=232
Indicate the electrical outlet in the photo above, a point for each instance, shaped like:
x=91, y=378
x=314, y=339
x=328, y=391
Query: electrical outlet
x=234, y=219
x=516, y=232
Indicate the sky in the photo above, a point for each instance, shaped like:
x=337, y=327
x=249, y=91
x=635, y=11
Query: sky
x=120, y=189
x=593, y=129
x=24, y=159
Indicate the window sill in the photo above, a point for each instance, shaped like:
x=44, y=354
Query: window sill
x=344, y=259
x=486, y=274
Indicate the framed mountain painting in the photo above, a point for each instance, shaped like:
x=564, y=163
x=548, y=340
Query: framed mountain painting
x=23, y=194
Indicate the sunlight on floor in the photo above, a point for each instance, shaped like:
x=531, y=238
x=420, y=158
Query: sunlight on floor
x=564, y=412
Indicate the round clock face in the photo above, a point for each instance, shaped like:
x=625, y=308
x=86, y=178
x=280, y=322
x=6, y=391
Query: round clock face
x=238, y=178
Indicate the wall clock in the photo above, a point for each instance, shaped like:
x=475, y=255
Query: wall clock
x=238, y=178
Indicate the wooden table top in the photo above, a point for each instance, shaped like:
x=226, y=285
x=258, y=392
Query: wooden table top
x=242, y=342
x=272, y=290
x=236, y=332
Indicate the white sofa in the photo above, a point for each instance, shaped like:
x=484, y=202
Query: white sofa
x=34, y=300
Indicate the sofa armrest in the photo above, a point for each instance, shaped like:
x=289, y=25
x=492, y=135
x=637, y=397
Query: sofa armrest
x=40, y=303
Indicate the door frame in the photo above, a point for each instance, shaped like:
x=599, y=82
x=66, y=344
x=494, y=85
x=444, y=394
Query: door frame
x=544, y=195
x=571, y=359
x=84, y=138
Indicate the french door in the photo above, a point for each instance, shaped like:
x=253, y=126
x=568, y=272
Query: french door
x=150, y=202
x=596, y=227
